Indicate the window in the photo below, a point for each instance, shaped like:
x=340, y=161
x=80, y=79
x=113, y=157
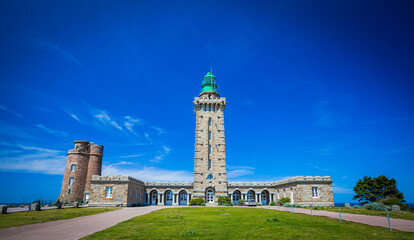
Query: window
x=205, y=108
x=209, y=149
x=210, y=177
x=284, y=193
x=214, y=108
x=209, y=108
x=315, y=192
x=73, y=167
x=250, y=195
x=209, y=164
x=209, y=121
x=108, y=192
x=86, y=196
x=69, y=191
x=71, y=180
x=209, y=135
x=132, y=190
x=136, y=194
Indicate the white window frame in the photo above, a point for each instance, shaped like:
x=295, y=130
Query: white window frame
x=71, y=181
x=315, y=193
x=73, y=167
x=109, y=192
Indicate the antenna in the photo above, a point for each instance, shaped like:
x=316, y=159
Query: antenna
x=211, y=78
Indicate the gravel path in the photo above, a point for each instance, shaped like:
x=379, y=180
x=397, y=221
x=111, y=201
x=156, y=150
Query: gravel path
x=74, y=228
x=397, y=224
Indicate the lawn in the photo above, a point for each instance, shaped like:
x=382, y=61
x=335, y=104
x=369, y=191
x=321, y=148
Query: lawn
x=402, y=215
x=30, y=217
x=240, y=223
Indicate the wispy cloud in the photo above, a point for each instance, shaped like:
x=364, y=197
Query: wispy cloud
x=15, y=131
x=72, y=115
x=51, y=48
x=130, y=122
x=159, y=130
x=10, y=111
x=150, y=173
x=161, y=154
x=34, y=159
x=104, y=118
x=51, y=131
x=238, y=171
x=323, y=169
x=132, y=156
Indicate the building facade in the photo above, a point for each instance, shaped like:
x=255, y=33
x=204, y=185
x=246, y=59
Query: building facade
x=210, y=171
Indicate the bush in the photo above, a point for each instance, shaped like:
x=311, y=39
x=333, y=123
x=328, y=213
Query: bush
x=375, y=206
x=394, y=201
x=272, y=203
x=240, y=202
x=283, y=201
x=356, y=207
x=287, y=205
x=197, y=202
x=223, y=200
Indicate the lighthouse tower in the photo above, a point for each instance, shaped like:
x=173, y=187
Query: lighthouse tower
x=210, y=174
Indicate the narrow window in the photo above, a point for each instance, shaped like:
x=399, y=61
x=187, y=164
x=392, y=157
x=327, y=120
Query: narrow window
x=73, y=168
x=315, y=192
x=209, y=164
x=71, y=180
x=209, y=149
x=214, y=108
x=209, y=121
x=284, y=193
x=209, y=135
x=209, y=108
x=205, y=108
x=69, y=191
x=108, y=192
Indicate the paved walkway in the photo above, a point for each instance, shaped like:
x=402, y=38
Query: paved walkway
x=397, y=224
x=75, y=228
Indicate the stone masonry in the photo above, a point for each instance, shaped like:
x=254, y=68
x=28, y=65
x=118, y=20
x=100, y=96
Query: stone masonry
x=210, y=171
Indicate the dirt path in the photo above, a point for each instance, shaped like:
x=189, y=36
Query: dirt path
x=397, y=224
x=74, y=228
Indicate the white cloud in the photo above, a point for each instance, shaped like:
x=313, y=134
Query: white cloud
x=150, y=173
x=34, y=159
x=161, y=154
x=159, y=130
x=74, y=116
x=237, y=171
x=10, y=111
x=51, y=131
x=130, y=122
x=104, y=118
x=132, y=156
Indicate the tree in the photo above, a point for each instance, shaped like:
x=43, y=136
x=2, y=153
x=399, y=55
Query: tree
x=375, y=189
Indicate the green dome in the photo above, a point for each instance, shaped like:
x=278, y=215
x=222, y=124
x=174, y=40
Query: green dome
x=209, y=83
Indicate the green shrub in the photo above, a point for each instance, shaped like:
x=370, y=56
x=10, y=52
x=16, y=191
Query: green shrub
x=375, y=206
x=197, y=202
x=223, y=200
x=240, y=202
x=272, y=203
x=259, y=204
x=283, y=201
x=287, y=205
x=356, y=207
x=394, y=201
x=203, y=204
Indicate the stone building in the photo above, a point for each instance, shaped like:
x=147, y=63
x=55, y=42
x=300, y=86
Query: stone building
x=210, y=171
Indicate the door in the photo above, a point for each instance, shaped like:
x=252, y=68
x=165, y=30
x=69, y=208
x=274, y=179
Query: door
x=154, y=198
x=183, y=198
x=168, y=198
x=210, y=196
x=264, y=198
x=236, y=198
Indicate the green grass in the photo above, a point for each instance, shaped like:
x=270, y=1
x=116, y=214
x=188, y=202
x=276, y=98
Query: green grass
x=30, y=217
x=402, y=215
x=240, y=223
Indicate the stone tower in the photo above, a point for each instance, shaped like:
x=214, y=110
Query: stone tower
x=210, y=174
x=84, y=161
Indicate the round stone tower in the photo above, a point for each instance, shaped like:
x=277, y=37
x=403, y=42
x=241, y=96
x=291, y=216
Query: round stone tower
x=82, y=162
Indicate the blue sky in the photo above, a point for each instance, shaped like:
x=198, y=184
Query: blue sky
x=321, y=88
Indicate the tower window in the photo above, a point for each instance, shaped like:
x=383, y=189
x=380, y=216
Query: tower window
x=209, y=164
x=214, y=108
x=205, y=108
x=73, y=167
x=209, y=108
x=209, y=121
x=209, y=135
x=108, y=192
x=69, y=191
x=71, y=180
x=209, y=149
x=210, y=177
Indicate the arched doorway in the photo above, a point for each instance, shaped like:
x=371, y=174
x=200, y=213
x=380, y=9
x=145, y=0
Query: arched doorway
x=154, y=198
x=236, y=197
x=183, y=198
x=250, y=195
x=265, y=197
x=209, y=196
x=168, y=198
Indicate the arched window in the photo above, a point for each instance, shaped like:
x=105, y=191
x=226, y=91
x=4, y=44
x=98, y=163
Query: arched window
x=250, y=195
